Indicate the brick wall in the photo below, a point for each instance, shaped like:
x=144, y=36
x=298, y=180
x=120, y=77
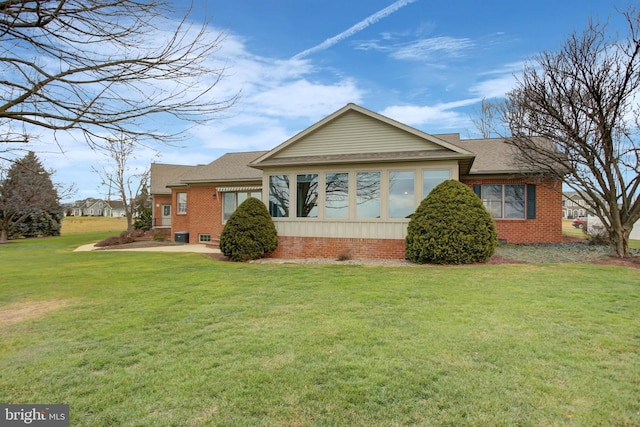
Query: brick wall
x=204, y=217
x=203, y=212
x=545, y=228
x=315, y=247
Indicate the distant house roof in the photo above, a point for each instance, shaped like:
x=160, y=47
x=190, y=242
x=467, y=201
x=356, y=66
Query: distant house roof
x=164, y=174
x=116, y=204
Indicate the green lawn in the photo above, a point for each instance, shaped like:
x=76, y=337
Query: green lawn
x=153, y=339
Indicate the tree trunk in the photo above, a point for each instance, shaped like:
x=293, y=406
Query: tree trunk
x=3, y=235
x=129, y=220
x=620, y=242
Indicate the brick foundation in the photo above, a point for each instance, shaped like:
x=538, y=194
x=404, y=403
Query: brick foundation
x=316, y=247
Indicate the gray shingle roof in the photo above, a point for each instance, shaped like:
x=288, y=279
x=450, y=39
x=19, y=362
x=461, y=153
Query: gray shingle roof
x=164, y=174
x=229, y=167
x=495, y=156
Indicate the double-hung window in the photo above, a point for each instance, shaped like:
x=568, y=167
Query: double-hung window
x=182, y=203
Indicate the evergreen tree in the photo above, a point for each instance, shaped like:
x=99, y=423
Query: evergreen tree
x=28, y=198
x=143, y=213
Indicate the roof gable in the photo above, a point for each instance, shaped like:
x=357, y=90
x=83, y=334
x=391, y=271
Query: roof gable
x=354, y=133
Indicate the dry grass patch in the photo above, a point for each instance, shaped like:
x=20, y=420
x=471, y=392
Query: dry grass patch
x=28, y=310
x=90, y=224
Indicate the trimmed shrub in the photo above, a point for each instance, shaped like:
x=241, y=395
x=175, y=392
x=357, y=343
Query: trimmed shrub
x=126, y=237
x=160, y=235
x=249, y=232
x=109, y=241
x=451, y=226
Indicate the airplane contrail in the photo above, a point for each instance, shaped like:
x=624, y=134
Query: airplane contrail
x=356, y=28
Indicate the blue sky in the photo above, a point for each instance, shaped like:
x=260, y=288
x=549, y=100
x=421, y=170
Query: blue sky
x=425, y=63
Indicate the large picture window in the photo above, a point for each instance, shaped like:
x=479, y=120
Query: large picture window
x=279, y=196
x=368, y=195
x=508, y=201
x=401, y=194
x=336, y=202
x=307, y=196
x=231, y=201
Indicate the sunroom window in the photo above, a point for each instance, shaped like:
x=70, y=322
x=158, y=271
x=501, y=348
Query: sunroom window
x=431, y=179
x=279, y=196
x=368, y=195
x=307, y=196
x=336, y=202
x=401, y=194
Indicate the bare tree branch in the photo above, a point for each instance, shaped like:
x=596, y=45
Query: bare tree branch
x=585, y=100
x=119, y=175
x=105, y=68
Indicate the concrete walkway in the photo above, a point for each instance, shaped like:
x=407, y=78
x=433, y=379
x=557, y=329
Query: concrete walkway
x=203, y=249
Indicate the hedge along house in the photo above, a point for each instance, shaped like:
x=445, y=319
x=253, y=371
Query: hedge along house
x=351, y=181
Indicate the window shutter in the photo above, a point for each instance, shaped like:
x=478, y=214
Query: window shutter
x=531, y=201
x=477, y=190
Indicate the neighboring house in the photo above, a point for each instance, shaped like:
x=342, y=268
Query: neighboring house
x=95, y=207
x=115, y=208
x=350, y=183
x=573, y=205
x=88, y=207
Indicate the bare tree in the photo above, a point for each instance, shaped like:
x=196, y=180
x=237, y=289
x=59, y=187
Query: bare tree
x=487, y=118
x=128, y=183
x=104, y=67
x=585, y=100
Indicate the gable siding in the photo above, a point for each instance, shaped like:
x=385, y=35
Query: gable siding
x=355, y=133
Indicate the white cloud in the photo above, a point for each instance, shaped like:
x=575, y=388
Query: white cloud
x=425, y=49
x=432, y=48
x=432, y=117
x=496, y=83
x=303, y=98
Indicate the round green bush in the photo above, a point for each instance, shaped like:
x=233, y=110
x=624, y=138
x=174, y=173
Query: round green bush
x=249, y=232
x=451, y=226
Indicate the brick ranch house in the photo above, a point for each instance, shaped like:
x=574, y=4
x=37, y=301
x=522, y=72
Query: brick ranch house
x=350, y=182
